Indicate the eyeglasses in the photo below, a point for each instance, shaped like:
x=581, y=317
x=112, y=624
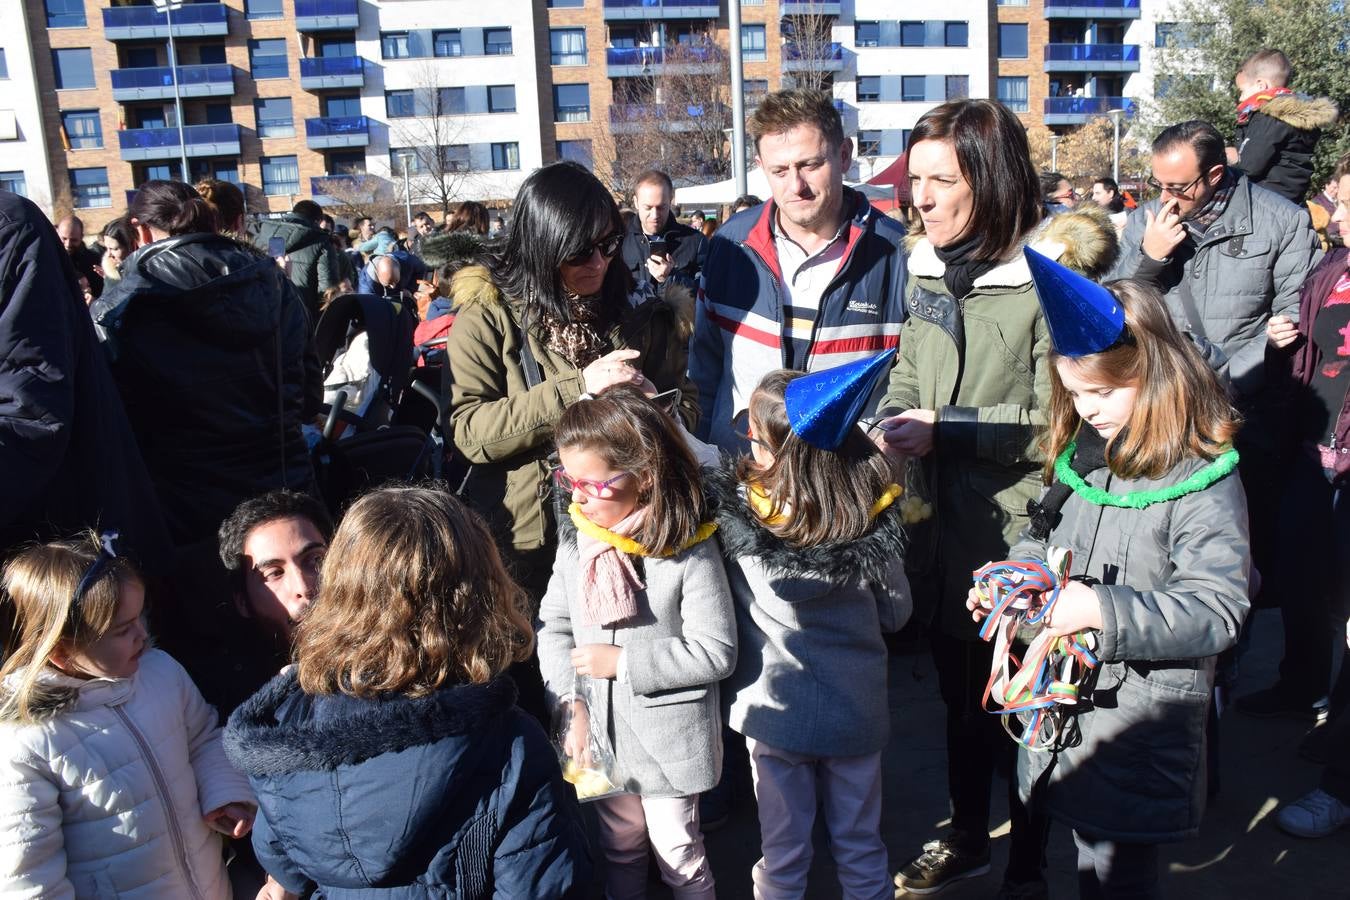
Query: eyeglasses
x=598, y=490
x=607, y=246
x=1174, y=191
x=740, y=426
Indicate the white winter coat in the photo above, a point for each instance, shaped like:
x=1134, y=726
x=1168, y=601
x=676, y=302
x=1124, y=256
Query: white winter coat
x=104, y=796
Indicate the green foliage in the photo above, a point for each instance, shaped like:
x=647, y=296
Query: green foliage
x=1219, y=34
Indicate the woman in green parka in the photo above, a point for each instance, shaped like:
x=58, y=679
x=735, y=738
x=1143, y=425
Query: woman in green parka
x=966, y=402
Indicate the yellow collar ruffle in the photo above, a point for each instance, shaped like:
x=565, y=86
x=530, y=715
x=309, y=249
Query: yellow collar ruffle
x=627, y=544
x=761, y=503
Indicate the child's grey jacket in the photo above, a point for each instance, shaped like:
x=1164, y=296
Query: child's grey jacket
x=665, y=722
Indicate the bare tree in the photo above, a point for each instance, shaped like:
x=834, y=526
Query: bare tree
x=808, y=46
x=434, y=137
x=360, y=195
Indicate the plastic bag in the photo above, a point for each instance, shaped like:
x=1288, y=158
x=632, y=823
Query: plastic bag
x=583, y=747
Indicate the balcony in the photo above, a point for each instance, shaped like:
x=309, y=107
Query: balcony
x=162, y=143
x=1092, y=57
x=326, y=189
x=337, y=131
x=632, y=118
x=637, y=61
x=822, y=57
x=1092, y=9
x=652, y=10
x=1081, y=110
x=324, y=72
x=139, y=23
x=807, y=8
x=157, y=83
x=326, y=15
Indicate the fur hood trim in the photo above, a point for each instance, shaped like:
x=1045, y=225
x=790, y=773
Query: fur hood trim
x=1082, y=239
x=260, y=746
x=869, y=557
x=1302, y=112
x=474, y=284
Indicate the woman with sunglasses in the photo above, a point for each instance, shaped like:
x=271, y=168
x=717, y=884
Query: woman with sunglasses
x=550, y=316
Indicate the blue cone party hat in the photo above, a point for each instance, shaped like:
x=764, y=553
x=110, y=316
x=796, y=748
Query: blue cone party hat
x=823, y=407
x=1083, y=317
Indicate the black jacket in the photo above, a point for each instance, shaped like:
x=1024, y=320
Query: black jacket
x=457, y=794
x=68, y=458
x=688, y=249
x=1275, y=146
x=198, y=330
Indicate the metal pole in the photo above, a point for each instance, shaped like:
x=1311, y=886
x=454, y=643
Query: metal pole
x=1116, y=115
x=177, y=99
x=1054, y=152
x=737, y=98
x=407, y=191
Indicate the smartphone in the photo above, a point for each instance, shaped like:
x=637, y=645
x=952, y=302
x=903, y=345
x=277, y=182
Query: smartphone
x=659, y=246
x=276, y=246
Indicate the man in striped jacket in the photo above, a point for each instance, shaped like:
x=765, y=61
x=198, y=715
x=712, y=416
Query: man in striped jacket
x=811, y=279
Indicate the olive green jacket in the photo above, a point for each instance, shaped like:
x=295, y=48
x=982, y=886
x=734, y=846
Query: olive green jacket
x=981, y=364
x=505, y=429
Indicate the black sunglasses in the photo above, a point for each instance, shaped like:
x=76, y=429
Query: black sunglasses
x=607, y=246
x=1174, y=191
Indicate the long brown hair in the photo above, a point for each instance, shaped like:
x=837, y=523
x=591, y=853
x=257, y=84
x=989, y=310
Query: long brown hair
x=413, y=596
x=828, y=493
x=1180, y=410
x=632, y=434
x=39, y=589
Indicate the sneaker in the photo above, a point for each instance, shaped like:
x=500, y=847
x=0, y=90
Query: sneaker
x=1023, y=890
x=1272, y=703
x=1314, y=815
x=941, y=864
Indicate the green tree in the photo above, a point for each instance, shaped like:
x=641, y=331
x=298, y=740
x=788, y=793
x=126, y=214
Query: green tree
x=1195, y=72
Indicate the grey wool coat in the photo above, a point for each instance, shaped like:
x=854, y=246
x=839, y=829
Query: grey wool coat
x=665, y=723
x=1174, y=581
x=811, y=673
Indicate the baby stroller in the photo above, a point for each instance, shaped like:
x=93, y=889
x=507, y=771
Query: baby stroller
x=365, y=344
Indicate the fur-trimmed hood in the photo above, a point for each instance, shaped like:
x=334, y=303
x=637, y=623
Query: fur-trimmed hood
x=1082, y=239
x=55, y=693
x=1302, y=112
x=870, y=556
x=276, y=733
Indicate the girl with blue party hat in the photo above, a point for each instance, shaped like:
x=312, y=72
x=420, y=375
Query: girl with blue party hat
x=1143, y=497
x=811, y=526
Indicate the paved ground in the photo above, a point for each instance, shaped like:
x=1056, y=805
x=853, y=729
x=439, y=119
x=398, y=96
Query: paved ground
x=1239, y=854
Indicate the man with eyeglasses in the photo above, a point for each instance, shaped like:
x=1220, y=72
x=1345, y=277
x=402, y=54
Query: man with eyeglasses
x=1229, y=256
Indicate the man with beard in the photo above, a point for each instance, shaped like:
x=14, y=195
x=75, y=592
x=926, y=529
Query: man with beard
x=812, y=279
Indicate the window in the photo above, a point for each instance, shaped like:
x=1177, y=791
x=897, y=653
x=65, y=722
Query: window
x=274, y=117
x=445, y=43
x=280, y=175
x=1012, y=93
x=450, y=101
x=566, y=4
x=1012, y=41
x=399, y=104
x=505, y=156
x=162, y=172
x=83, y=129
x=752, y=43
x=89, y=188
x=568, y=46
x=956, y=34
x=501, y=98
x=576, y=151
x=958, y=87
x=397, y=155
x=867, y=34
x=330, y=48
x=1180, y=35
x=218, y=114
x=342, y=106
x=347, y=162
x=1014, y=2
x=211, y=54
x=4, y=68
x=267, y=58
x=455, y=157
x=16, y=183
x=394, y=45
x=497, y=41
x=65, y=14
x=74, y=69
x=141, y=57
x=869, y=143
x=913, y=34
x=571, y=103
x=913, y=88
x=262, y=9
x=152, y=117
x=869, y=88
x=221, y=169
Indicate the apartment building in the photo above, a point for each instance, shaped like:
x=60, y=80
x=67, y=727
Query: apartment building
x=24, y=166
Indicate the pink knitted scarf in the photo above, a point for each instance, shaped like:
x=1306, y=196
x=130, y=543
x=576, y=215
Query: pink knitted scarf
x=609, y=581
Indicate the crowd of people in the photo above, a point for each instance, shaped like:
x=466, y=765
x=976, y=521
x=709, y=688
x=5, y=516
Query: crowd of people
x=705, y=470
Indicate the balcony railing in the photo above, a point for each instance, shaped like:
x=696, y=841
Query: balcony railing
x=215, y=80
x=326, y=15
x=1091, y=57
x=624, y=61
x=337, y=131
x=640, y=112
x=1076, y=110
x=162, y=143
x=662, y=9
x=832, y=53
x=123, y=23
x=317, y=73
x=808, y=7
x=1092, y=9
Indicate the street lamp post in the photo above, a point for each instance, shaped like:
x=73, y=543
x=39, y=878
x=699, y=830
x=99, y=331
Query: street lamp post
x=1054, y=152
x=407, y=190
x=737, y=98
x=1116, y=116
x=167, y=6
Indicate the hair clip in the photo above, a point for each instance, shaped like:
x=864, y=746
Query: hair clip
x=99, y=567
